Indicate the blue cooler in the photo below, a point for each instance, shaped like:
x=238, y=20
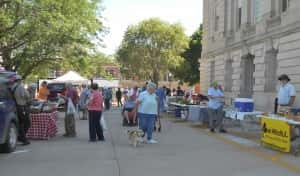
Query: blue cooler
x=244, y=104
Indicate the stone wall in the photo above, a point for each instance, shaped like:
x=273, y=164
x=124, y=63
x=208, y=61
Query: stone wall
x=272, y=38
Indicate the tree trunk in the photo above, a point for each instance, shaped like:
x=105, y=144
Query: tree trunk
x=155, y=75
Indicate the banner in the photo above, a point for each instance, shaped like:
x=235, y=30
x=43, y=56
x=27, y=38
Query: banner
x=276, y=134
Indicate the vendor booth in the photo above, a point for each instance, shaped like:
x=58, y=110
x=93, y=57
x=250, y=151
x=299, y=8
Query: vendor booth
x=276, y=131
x=43, y=120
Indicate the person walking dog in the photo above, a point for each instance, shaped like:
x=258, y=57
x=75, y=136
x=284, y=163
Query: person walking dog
x=147, y=107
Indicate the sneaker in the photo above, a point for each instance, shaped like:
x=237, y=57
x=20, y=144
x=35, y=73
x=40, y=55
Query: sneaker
x=152, y=141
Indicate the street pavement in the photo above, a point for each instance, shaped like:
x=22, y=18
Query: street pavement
x=182, y=150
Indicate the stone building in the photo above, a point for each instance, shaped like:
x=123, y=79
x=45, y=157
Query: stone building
x=247, y=44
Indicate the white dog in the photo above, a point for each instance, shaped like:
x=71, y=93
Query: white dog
x=135, y=136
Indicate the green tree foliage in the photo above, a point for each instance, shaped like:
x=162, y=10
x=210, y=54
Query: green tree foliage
x=151, y=48
x=188, y=70
x=35, y=33
x=90, y=66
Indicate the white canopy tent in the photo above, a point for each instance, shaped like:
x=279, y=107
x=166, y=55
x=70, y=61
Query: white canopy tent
x=106, y=83
x=71, y=77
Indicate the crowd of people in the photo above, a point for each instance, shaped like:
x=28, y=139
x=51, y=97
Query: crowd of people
x=140, y=106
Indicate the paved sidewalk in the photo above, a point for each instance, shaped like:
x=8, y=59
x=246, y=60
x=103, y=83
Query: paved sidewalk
x=181, y=150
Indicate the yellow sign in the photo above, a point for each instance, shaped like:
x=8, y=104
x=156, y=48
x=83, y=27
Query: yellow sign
x=276, y=134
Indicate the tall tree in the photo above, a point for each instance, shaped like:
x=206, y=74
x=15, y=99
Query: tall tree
x=90, y=66
x=188, y=70
x=151, y=47
x=36, y=32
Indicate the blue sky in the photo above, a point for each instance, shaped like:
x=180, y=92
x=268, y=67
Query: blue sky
x=119, y=14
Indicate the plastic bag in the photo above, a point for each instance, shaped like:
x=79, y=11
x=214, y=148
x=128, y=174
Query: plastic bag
x=71, y=108
x=103, y=123
x=166, y=106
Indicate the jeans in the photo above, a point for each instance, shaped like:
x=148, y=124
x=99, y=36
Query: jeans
x=107, y=104
x=119, y=102
x=146, y=123
x=216, y=118
x=24, y=122
x=95, y=127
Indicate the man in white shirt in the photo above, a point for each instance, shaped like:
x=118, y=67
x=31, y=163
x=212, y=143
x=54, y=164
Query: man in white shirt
x=286, y=94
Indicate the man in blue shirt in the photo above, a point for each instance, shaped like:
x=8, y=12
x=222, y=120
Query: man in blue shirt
x=286, y=94
x=83, y=101
x=215, y=107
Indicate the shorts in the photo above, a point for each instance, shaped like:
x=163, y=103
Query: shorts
x=128, y=109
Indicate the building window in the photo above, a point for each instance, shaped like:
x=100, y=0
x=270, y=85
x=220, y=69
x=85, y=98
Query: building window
x=212, y=71
x=217, y=23
x=271, y=70
x=285, y=5
x=239, y=22
x=217, y=18
x=247, y=76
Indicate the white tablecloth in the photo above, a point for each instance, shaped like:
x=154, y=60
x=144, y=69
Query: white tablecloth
x=241, y=115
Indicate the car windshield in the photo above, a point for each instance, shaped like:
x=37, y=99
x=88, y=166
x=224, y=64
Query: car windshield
x=56, y=87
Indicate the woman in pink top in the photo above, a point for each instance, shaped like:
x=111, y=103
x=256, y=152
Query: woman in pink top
x=95, y=107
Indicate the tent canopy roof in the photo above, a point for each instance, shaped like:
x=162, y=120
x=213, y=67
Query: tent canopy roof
x=71, y=77
x=106, y=83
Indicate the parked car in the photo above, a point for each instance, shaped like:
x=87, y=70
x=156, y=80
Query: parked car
x=8, y=117
x=8, y=75
x=55, y=89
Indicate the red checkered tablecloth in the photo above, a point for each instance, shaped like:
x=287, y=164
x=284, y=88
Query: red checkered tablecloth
x=43, y=125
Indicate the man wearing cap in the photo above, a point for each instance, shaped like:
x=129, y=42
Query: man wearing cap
x=22, y=99
x=215, y=107
x=286, y=94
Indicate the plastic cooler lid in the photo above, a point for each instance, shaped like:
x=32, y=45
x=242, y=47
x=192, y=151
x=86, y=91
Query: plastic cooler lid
x=246, y=100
